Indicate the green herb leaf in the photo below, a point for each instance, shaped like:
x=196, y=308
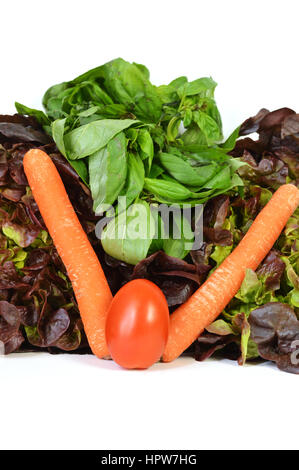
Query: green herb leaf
x=128, y=84
x=108, y=171
x=204, y=85
x=208, y=126
x=183, y=172
x=135, y=178
x=88, y=139
x=129, y=236
x=167, y=189
x=179, y=242
x=58, y=129
x=40, y=116
x=146, y=146
x=230, y=142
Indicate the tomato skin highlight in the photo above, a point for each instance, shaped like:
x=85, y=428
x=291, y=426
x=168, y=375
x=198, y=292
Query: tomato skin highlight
x=137, y=325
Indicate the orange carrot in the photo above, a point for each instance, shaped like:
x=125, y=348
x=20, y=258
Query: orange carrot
x=204, y=306
x=88, y=279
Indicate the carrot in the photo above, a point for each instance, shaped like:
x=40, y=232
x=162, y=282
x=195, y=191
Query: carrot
x=204, y=306
x=88, y=279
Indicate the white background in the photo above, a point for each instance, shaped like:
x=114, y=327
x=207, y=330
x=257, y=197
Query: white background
x=68, y=402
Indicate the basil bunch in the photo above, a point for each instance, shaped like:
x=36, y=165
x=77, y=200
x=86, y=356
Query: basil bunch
x=126, y=137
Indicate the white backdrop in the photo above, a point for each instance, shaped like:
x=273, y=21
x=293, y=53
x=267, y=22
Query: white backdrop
x=251, y=50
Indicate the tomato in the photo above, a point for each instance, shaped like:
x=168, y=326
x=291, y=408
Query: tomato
x=137, y=325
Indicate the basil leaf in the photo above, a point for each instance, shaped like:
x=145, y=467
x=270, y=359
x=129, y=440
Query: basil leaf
x=58, y=128
x=102, y=111
x=178, y=83
x=210, y=108
x=204, y=85
x=176, y=244
x=193, y=136
x=90, y=138
x=167, y=94
x=53, y=92
x=127, y=84
x=167, y=189
x=173, y=128
x=135, y=178
x=230, y=142
x=208, y=126
x=156, y=170
x=221, y=180
x=188, y=116
x=79, y=166
x=91, y=91
x=204, y=154
x=183, y=172
x=143, y=69
x=108, y=171
x=40, y=116
x=146, y=146
x=129, y=235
